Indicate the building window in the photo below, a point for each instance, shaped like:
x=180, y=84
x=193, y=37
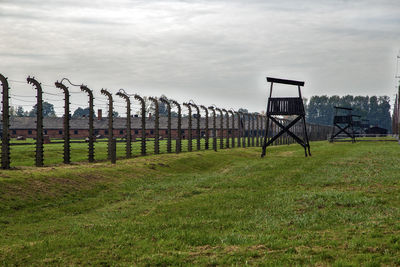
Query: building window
x=121, y=132
x=151, y=132
x=182, y=131
x=29, y=131
x=59, y=132
x=75, y=131
x=14, y=132
x=136, y=132
x=45, y=131
x=105, y=131
x=96, y=132
x=230, y=131
x=166, y=131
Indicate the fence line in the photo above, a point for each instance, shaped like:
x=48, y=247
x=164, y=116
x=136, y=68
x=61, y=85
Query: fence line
x=234, y=129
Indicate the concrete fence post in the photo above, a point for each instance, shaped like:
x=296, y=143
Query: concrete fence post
x=143, y=124
x=39, y=121
x=156, y=126
x=207, y=133
x=227, y=128
x=110, y=121
x=221, y=128
x=233, y=128
x=178, y=144
x=5, y=137
x=169, y=136
x=214, y=129
x=239, y=122
x=198, y=136
x=128, y=146
x=66, y=123
x=189, y=107
x=91, y=122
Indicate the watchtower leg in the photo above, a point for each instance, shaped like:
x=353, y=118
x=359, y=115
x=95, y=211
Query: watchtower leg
x=264, y=147
x=306, y=137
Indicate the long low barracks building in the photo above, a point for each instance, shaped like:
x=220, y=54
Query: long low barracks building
x=79, y=127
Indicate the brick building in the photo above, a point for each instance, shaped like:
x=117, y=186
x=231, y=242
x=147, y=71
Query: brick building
x=79, y=127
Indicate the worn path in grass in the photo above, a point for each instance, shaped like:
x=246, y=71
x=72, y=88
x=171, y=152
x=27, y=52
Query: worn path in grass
x=341, y=206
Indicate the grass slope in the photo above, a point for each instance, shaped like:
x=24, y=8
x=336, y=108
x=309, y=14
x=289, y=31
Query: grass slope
x=339, y=207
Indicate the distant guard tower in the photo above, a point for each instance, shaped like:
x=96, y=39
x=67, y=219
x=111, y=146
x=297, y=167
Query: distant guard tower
x=357, y=125
x=343, y=120
x=289, y=106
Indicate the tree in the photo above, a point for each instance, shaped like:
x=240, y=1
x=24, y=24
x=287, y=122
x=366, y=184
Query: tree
x=48, y=110
x=375, y=109
x=20, y=112
x=80, y=112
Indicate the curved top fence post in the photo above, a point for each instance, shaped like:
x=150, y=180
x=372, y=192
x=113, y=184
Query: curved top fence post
x=214, y=130
x=39, y=121
x=143, y=132
x=128, y=145
x=227, y=127
x=189, y=126
x=85, y=89
x=169, y=136
x=221, y=126
x=156, y=126
x=178, y=147
x=232, y=112
x=66, y=135
x=198, y=137
x=5, y=137
x=110, y=121
x=207, y=133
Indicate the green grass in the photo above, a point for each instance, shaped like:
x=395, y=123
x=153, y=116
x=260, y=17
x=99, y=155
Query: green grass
x=24, y=155
x=339, y=207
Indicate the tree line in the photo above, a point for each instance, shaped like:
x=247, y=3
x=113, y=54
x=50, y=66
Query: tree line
x=48, y=110
x=376, y=109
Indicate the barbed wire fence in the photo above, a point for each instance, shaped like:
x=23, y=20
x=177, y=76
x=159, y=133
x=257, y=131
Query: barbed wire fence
x=223, y=128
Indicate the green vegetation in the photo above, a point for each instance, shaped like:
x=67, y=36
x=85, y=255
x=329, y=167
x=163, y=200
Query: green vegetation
x=338, y=207
x=24, y=155
x=374, y=108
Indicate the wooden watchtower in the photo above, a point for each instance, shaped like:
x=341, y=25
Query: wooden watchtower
x=286, y=106
x=364, y=125
x=357, y=125
x=343, y=120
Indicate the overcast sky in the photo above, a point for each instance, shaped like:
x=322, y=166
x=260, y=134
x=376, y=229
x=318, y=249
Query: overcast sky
x=213, y=52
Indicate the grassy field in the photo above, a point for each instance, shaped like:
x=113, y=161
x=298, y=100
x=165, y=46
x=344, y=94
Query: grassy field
x=339, y=207
x=24, y=155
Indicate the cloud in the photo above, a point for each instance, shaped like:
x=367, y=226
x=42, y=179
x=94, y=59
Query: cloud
x=214, y=52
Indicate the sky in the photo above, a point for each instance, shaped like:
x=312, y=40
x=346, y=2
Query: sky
x=211, y=52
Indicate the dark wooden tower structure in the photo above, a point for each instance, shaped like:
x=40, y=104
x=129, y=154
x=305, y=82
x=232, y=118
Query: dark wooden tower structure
x=343, y=121
x=286, y=106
